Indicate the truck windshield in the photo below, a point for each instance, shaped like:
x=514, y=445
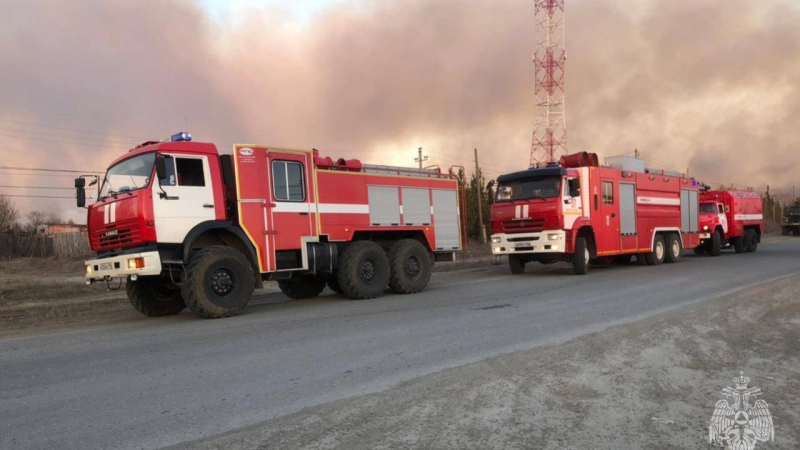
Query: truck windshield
x=525, y=189
x=128, y=175
x=708, y=208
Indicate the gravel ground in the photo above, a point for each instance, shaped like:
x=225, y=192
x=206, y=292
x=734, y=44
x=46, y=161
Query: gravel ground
x=650, y=384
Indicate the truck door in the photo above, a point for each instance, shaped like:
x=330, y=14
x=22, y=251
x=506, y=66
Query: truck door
x=608, y=239
x=184, y=199
x=292, y=208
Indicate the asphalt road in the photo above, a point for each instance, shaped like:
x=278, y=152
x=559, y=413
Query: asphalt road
x=157, y=382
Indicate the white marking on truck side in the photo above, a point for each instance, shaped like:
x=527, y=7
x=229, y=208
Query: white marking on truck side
x=748, y=217
x=658, y=201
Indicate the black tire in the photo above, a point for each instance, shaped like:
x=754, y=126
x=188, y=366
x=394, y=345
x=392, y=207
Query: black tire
x=656, y=256
x=363, y=270
x=580, y=261
x=154, y=296
x=219, y=282
x=516, y=264
x=716, y=244
x=298, y=289
x=673, y=248
x=409, y=266
x=752, y=240
x=333, y=283
x=739, y=244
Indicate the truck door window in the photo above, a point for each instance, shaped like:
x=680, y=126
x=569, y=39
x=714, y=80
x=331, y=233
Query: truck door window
x=287, y=181
x=171, y=180
x=190, y=172
x=608, y=193
x=720, y=209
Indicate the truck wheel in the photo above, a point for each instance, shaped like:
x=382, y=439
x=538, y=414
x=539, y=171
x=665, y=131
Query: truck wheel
x=580, y=261
x=516, y=264
x=656, y=257
x=410, y=266
x=716, y=243
x=299, y=289
x=673, y=246
x=154, y=296
x=752, y=240
x=219, y=282
x=739, y=244
x=363, y=270
x=333, y=283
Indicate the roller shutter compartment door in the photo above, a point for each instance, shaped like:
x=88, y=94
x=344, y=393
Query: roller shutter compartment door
x=445, y=216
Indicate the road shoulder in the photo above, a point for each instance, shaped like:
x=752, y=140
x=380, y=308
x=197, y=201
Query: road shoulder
x=649, y=384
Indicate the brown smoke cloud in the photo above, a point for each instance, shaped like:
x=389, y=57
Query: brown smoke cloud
x=710, y=85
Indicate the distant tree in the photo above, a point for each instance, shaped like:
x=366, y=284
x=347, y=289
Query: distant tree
x=36, y=218
x=9, y=214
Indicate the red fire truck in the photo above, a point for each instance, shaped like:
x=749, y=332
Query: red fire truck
x=732, y=217
x=187, y=226
x=578, y=212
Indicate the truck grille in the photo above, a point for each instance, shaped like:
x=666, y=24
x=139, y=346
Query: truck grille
x=524, y=226
x=120, y=234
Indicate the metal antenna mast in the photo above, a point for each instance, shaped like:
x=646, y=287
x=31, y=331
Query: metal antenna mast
x=549, y=58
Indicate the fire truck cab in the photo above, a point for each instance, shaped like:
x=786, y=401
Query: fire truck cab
x=579, y=212
x=188, y=227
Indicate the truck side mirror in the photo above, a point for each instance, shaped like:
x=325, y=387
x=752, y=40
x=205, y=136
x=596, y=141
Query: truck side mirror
x=80, y=195
x=489, y=196
x=80, y=182
x=161, y=168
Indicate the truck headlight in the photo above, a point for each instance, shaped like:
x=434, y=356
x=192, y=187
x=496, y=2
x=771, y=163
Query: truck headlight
x=553, y=236
x=495, y=240
x=135, y=263
x=705, y=227
x=88, y=269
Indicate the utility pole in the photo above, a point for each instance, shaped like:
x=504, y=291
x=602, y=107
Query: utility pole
x=420, y=159
x=480, y=200
x=636, y=153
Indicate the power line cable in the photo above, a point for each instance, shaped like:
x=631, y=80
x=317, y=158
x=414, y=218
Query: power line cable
x=35, y=187
x=34, y=169
x=66, y=142
x=72, y=129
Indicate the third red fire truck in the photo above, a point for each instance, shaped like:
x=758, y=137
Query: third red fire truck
x=187, y=226
x=579, y=212
x=730, y=217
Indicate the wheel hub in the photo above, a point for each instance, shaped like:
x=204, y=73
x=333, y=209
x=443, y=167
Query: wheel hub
x=413, y=267
x=366, y=269
x=222, y=282
x=659, y=251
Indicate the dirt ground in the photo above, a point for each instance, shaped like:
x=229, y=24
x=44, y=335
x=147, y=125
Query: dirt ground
x=652, y=384
x=48, y=294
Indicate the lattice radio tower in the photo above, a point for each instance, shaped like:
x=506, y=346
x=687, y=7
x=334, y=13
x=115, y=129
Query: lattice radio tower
x=549, y=58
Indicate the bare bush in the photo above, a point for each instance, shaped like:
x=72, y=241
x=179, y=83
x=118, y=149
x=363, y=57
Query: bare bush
x=9, y=214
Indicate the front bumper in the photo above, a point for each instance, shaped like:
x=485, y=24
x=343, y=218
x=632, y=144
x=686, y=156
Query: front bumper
x=553, y=241
x=118, y=266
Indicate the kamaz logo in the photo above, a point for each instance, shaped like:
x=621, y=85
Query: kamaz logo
x=112, y=233
x=246, y=151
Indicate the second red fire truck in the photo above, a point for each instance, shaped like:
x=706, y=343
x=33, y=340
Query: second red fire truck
x=579, y=212
x=730, y=217
x=186, y=226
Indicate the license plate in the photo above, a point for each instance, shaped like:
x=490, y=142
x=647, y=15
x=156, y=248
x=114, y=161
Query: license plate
x=105, y=266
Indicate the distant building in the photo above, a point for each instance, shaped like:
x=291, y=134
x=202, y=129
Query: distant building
x=60, y=228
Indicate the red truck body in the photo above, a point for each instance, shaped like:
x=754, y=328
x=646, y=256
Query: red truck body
x=730, y=217
x=174, y=216
x=576, y=211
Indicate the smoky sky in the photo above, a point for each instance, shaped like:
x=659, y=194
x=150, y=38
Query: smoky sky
x=708, y=85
